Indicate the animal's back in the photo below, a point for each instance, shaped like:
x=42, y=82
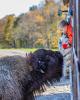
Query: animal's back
x=12, y=73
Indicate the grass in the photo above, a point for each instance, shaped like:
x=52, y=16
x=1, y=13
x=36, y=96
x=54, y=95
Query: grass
x=25, y=49
x=22, y=49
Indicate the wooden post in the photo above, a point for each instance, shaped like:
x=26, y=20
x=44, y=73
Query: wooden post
x=75, y=75
x=78, y=26
x=75, y=78
x=78, y=38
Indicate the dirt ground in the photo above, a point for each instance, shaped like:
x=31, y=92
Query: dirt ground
x=56, y=93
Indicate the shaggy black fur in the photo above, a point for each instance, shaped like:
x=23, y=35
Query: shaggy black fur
x=79, y=65
x=21, y=77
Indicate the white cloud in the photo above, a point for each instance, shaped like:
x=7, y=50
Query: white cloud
x=15, y=6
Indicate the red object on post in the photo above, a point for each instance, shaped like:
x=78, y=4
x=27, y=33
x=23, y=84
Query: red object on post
x=69, y=33
x=65, y=46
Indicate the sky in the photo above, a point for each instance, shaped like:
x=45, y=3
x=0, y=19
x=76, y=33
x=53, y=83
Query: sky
x=16, y=6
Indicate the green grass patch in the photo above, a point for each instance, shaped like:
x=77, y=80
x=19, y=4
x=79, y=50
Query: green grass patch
x=22, y=49
x=25, y=49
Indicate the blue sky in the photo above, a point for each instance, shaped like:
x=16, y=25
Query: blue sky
x=16, y=6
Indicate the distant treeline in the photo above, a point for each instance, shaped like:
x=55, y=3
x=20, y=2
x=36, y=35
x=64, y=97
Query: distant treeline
x=36, y=28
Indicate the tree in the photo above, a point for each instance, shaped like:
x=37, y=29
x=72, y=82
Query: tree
x=32, y=8
x=8, y=29
x=33, y=28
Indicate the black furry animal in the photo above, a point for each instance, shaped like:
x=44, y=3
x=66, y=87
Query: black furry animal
x=21, y=77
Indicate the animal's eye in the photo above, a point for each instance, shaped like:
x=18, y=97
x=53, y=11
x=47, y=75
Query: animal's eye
x=39, y=61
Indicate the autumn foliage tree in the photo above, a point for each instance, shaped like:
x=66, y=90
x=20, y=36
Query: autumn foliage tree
x=36, y=28
x=8, y=28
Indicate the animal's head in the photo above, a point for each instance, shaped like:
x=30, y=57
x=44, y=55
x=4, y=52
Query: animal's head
x=48, y=66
